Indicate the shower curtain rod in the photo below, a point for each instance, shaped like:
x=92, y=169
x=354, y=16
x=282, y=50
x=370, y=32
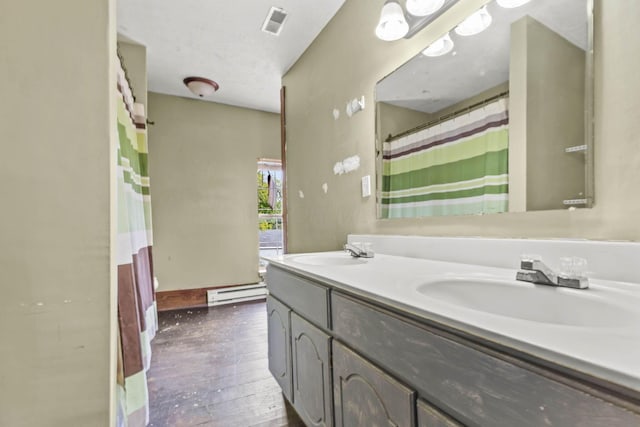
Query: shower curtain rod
x=447, y=116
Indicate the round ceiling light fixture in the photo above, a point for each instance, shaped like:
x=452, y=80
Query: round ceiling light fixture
x=200, y=86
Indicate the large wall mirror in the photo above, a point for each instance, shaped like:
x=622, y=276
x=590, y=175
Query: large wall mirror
x=491, y=119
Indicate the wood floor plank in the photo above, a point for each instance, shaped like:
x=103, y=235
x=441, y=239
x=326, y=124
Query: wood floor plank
x=209, y=367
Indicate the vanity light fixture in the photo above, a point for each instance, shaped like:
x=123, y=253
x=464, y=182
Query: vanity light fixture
x=440, y=47
x=509, y=4
x=200, y=86
x=423, y=7
x=392, y=25
x=395, y=24
x=475, y=23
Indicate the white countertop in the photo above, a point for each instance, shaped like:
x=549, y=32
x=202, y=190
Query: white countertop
x=610, y=352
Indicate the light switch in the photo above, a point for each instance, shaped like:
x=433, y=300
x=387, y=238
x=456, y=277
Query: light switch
x=366, y=186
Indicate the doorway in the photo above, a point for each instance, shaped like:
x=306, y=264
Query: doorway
x=270, y=203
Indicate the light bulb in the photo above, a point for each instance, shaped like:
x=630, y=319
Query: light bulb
x=423, y=7
x=440, y=47
x=474, y=23
x=392, y=25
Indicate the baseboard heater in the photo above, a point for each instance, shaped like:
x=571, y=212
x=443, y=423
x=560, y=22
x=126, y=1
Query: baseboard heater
x=234, y=294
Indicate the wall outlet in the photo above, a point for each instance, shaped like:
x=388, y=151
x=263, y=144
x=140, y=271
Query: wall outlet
x=366, y=186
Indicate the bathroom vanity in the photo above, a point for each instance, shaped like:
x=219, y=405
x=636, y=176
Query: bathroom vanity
x=417, y=337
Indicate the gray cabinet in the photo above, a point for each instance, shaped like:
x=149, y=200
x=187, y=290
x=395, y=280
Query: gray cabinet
x=347, y=361
x=279, y=333
x=366, y=396
x=312, y=395
x=474, y=384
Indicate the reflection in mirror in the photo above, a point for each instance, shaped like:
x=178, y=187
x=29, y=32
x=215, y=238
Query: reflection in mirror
x=491, y=122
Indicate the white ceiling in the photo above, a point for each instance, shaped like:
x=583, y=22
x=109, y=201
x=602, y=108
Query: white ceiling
x=478, y=62
x=222, y=41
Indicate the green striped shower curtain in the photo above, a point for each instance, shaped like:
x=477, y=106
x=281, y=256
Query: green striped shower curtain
x=137, y=318
x=457, y=167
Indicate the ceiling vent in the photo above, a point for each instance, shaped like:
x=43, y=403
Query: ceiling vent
x=274, y=21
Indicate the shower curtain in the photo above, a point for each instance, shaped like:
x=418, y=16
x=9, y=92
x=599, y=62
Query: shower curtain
x=137, y=315
x=457, y=167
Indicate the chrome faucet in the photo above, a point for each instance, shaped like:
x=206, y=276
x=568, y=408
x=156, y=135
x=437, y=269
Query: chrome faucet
x=535, y=271
x=357, y=251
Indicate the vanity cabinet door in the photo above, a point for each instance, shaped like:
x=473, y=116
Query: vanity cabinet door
x=428, y=416
x=279, y=333
x=311, y=373
x=366, y=396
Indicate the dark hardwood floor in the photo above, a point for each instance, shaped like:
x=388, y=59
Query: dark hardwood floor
x=209, y=368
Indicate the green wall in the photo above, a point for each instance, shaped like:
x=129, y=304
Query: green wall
x=57, y=312
x=134, y=57
x=393, y=120
x=203, y=162
x=546, y=98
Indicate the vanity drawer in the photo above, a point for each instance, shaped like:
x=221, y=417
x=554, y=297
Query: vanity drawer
x=476, y=387
x=303, y=296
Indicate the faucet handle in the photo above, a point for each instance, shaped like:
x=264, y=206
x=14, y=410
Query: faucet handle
x=573, y=272
x=573, y=267
x=366, y=248
x=533, y=262
x=527, y=261
x=359, y=249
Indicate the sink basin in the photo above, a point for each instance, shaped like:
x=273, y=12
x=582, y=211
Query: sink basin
x=329, y=259
x=536, y=303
